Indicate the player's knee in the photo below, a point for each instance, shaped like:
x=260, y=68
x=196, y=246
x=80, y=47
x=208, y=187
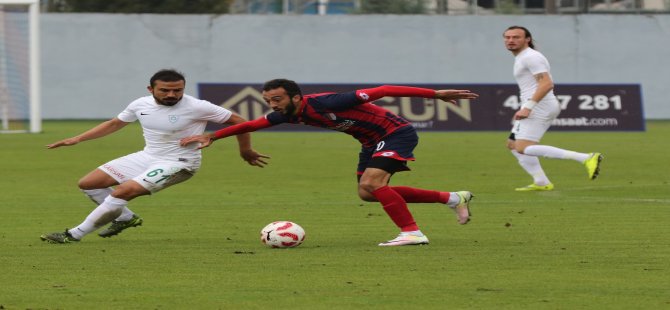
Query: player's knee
x=124, y=194
x=85, y=184
x=366, y=196
x=129, y=190
x=365, y=189
x=520, y=148
x=366, y=186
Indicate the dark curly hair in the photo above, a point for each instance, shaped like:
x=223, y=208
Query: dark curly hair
x=291, y=87
x=166, y=75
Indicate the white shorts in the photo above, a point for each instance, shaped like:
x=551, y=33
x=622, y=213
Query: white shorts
x=152, y=173
x=539, y=121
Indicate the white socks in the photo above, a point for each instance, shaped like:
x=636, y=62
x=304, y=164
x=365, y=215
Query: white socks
x=554, y=152
x=532, y=166
x=530, y=161
x=110, y=209
x=98, y=196
x=126, y=215
x=454, y=199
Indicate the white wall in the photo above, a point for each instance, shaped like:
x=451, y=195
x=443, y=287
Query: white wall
x=93, y=65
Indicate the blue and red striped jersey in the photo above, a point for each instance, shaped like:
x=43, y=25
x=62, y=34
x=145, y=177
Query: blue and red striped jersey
x=351, y=113
x=345, y=112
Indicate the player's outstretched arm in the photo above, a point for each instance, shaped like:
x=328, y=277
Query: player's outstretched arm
x=244, y=127
x=204, y=140
x=254, y=158
x=451, y=95
x=244, y=140
x=98, y=131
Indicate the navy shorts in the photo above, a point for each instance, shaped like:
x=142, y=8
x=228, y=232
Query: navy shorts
x=390, y=154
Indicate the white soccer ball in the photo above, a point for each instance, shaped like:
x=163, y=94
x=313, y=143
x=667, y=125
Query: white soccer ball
x=282, y=234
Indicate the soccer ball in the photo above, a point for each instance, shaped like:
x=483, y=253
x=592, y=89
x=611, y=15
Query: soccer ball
x=282, y=234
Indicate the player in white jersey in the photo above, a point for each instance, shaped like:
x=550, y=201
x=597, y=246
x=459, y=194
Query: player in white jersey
x=166, y=116
x=540, y=107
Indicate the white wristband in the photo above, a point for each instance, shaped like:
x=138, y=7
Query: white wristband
x=529, y=104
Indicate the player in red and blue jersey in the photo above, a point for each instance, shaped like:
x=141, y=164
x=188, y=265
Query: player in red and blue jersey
x=387, y=140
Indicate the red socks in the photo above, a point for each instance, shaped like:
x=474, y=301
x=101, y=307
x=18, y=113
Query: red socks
x=394, y=200
x=417, y=195
x=396, y=208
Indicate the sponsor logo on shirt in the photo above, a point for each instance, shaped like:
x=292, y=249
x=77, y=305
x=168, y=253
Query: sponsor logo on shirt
x=173, y=118
x=343, y=126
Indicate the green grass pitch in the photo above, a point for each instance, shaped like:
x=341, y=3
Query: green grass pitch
x=602, y=244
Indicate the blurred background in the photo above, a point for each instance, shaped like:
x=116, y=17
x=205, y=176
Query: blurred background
x=322, y=7
x=96, y=56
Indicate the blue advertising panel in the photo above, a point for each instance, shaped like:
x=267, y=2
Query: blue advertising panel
x=584, y=107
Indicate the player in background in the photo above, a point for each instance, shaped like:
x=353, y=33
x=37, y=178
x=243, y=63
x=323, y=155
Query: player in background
x=387, y=141
x=540, y=107
x=166, y=116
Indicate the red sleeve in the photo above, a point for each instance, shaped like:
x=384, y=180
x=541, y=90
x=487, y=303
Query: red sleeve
x=372, y=94
x=241, y=128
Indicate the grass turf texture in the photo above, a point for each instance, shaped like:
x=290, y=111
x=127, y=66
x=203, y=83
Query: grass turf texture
x=585, y=245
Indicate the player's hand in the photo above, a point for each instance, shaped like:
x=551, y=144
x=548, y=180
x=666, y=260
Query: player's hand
x=521, y=114
x=65, y=142
x=254, y=158
x=451, y=95
x=204, y=140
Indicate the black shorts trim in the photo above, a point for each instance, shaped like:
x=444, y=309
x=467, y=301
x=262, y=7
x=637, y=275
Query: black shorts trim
x=387, y=164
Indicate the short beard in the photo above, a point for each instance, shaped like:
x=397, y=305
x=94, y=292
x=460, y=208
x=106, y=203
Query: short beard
x=290, y=109
x=167, y=103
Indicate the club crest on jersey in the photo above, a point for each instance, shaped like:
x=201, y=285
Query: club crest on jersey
x=363, y=96
x=173, y=118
